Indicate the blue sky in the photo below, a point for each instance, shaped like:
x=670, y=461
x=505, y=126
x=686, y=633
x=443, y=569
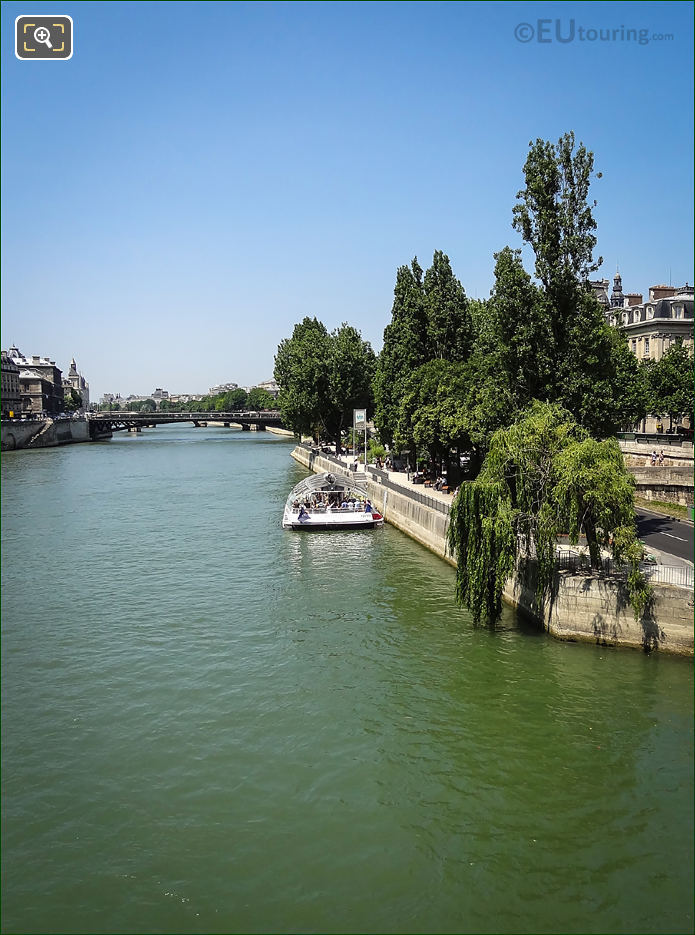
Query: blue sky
x=200, y=176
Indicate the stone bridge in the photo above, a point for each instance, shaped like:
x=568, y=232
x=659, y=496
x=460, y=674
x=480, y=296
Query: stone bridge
x=103, y=423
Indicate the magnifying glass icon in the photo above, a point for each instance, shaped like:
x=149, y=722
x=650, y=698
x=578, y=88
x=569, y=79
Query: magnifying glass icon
x=42, y=34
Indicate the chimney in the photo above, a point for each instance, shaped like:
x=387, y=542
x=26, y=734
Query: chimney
x=660, y=292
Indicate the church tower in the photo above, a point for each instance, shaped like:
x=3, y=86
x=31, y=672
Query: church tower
x=617, y=297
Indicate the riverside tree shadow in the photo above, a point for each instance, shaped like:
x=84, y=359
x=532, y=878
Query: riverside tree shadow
x=614, y=591
x=652, y=634
x=649, y=525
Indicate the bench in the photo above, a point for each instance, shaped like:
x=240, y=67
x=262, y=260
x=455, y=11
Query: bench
x=445, y=488
x=428, y=483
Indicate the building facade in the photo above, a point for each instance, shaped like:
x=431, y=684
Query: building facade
x=40, y=384
x=11, y=397
x=75, y=381
x=270, y=386
x=222, y=388
x=651, y=327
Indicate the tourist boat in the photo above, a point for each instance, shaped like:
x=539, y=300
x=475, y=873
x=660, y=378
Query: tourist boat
x=330, y=501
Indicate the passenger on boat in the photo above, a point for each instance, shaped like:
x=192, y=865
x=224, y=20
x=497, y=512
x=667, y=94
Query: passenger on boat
x=368, y=506
x=303, y=514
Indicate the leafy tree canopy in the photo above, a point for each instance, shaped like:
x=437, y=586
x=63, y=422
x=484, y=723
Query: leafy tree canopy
x=554, y=216
x=72, y=400
x=449, y=325
x=670, y=382
x=543, y=475
x=231, y=400
x=322, y=377
x=260, y=398
x=405, y=347
x=589, y=373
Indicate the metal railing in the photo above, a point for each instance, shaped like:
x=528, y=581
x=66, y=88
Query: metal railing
x=210, y=416
x=382, y=478
x=678, y=575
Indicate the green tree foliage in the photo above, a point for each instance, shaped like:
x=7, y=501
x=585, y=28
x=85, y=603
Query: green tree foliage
x=351, y=369
x=670, y=383
x=302, y=374
x=590, y=374
x=231, y=401
x=630, y=387
x=260, y=398
x=405, y=347
x=72, y=401
x=431, y=411
x=555, y=218
x=543, y=475
x=519, y=336
x=148, y=405
x=449, y=325
x=322, y=377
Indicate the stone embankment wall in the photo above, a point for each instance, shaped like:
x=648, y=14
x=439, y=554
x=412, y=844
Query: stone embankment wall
x=666, y=483
x=587, y=607
x=637, y=452
x=583, y=607
x=46, y=433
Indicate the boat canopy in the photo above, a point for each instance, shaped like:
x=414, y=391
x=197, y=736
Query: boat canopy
x=333, y=481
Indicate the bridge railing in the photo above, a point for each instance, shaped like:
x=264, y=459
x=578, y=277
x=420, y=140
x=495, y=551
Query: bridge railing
x=242, y=415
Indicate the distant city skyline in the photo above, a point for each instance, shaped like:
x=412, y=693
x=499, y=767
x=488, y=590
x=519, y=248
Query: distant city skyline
x=170, y=213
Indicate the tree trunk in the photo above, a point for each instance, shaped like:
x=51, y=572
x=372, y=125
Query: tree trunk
x=592, y=542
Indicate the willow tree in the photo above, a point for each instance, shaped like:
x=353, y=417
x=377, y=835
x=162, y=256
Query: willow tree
x=543, y=476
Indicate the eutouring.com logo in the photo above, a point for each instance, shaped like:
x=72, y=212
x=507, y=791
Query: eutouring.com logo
x=555, y=30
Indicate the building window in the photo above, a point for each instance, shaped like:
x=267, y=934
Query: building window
x=646, y=347
x=625, y=318
x=634, y=346
x=650, y=313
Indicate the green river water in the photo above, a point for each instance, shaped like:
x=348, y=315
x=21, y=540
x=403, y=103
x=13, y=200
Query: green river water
x=211, y=724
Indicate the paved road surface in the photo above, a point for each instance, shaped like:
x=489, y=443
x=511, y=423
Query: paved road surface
x=666, y=534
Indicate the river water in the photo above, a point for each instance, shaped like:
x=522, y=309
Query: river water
x=211, y=724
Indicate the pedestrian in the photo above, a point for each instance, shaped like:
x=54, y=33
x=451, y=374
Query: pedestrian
x=661, y=457
x=653, y=457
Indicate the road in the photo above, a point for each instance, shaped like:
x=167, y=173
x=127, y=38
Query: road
x=665, y=534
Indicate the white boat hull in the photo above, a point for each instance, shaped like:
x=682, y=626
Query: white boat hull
x=330, y=501
x=341, y=520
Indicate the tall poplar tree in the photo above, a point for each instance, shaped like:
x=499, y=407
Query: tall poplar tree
x=521, y=331
x=555, y=217
x=449, y=326
x=405, y=347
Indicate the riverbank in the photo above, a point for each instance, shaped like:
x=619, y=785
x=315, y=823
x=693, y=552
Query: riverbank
x=19, y=434
x=583, y=606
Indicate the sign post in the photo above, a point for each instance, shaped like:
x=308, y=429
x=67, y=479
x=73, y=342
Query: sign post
x=359, y=421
